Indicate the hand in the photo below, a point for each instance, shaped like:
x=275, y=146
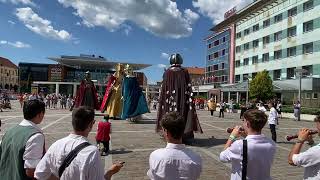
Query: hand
x=303, y=134
x=236, y=131
x=115, y=168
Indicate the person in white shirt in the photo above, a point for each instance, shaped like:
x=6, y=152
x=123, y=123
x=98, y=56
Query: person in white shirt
x=273, y=121
x=175, y=161
x=309, y=159
x=87, y=164
x=22, y=146
x=260, y=149
x=262, y=108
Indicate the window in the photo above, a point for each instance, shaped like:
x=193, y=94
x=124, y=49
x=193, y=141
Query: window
x=255, y=60
x=237, y=78
x=291, y=51
x=238, y=63
x=266, y=40
x=308, y=70
x=292, y=12
x=246, y=31
x=278, y=18
x=223, y=52
x=266, y=23
x=277, y=74
x=238, y=49
x=209, y=57
x=209, y=46
x=238, y=35
x=278, y=36
x=308, y=5
x=308, y=26
x=222, y=65
x=224, y=39
x=255, y=28
x=245, y=77
x=292, y=31
x=246, y=62
x=315, y=96
x=290, y=73
x=216, y=67
x=216, y=55
x=255, y=43
x=216, y=43
x=308, y=48
x=278, y=54
x=308, y=95
x=246, y=46
x=254, y=75
x=265, y=57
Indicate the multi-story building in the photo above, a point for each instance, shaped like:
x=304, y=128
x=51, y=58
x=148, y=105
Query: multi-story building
x=279, y=36
x=8, y=75
x=196, y=75
x=218, y=58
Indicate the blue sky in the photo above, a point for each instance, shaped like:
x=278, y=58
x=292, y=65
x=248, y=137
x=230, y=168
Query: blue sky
x=136, y=31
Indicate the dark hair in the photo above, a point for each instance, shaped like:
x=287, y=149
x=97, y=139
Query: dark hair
x=256, y=118
x=82, y=117
x=32, y=108
x=174, y=124
x=317, y=118
x=106, y=117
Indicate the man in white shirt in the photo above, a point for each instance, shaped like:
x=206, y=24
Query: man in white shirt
x=22, y=146
x=309, y=159
x=175, y=161
x=87, y=164
x=273, y=121
x=260, y=149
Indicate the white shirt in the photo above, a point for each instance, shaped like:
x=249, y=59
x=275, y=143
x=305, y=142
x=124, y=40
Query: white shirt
x=34, y=147
x=310, y=160
x=262, y=108
x=174, y=162
x=85, y=166
x=261, y=152
x=273, y=116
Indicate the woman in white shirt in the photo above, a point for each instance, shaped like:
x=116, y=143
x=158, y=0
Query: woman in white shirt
x=272, y=120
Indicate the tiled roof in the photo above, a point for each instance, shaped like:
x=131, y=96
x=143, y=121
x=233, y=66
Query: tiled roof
x=195, y=70
x=7, y=63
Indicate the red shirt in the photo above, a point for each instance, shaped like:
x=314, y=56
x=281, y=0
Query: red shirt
x=103, y=133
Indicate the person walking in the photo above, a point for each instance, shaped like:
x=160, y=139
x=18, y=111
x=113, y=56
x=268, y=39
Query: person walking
x=103, y=135
x=212, y=105
x=279, y=109
x=297, y=110
x=272, y=120
x=222, y=106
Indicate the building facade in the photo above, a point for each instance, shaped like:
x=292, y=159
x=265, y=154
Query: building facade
x=217, y=69
x=8, y=75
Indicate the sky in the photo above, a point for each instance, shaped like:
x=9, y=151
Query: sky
x=135, y=31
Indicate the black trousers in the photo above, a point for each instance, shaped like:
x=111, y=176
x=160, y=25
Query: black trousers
x=105, y=145
x=211, y=112
x=221, y=113
x=273, y=132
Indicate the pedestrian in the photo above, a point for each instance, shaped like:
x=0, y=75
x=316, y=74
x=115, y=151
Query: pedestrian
x=279, y=109
x=309, y=159
x=252, y=157
x=222, y=106
x=21, y=100
x=69, y=102
x=243, y=108
x=261, y=107
x=175, y=161
x=86, y=164
x=273, y=120
x=212, y=105
x=23, y=146
x=231, y=106
x=103, y=135
x=297, y=110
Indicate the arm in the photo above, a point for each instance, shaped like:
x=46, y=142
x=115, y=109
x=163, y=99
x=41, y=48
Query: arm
x=115, y=168
x=302, y=137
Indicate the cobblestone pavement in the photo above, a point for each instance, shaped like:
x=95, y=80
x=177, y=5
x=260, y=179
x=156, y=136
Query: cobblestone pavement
x=133, y=143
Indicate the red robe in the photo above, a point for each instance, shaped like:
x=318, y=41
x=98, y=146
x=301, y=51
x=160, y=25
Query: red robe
x=81, y=93
x=107, y=93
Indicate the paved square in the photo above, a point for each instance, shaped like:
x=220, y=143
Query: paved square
x=133, y=142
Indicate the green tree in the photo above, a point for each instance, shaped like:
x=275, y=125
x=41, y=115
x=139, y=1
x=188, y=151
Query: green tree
x=261, y=87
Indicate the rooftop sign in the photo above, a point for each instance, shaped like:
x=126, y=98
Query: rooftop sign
x=230, y=13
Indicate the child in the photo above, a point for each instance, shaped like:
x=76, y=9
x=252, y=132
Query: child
x=103, y=135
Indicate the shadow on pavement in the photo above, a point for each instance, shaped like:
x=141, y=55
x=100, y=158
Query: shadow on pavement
x=120, y=151
x=210, y=142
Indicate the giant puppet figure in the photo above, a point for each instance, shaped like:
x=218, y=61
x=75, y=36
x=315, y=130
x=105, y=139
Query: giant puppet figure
x=176, y=95
x=114, y=80
x=113, y=103
x=134, y=101
x=87, y=93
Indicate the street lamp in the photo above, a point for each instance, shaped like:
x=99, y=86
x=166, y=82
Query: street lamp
x=247, y=97
x=299, y=72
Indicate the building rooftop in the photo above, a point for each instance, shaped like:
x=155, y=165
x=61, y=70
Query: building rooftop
x=195, y=70
x=85, y=61
x=7, y=63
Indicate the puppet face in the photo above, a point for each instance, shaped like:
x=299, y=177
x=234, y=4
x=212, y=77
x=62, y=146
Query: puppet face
x=88, y=75
x=129, y=70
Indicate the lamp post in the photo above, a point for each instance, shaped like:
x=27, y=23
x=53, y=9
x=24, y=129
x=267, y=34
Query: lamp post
x=248, y=86
x=299, y=72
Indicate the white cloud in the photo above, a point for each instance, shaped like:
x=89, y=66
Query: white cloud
x=162, y=66
x=25, y=2
x=11, y=22
x=17, y=44
x=78, y=23
x=161, y=17
x=215, y=9
x=39, y=25
x=165, y=55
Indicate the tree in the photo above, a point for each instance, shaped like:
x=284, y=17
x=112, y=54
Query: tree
x=261, y=87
